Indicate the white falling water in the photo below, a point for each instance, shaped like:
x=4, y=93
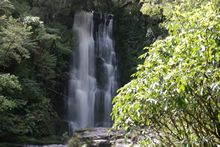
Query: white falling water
x=93, y=75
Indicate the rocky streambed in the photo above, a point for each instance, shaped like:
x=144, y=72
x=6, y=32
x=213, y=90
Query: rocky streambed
x=99, y=137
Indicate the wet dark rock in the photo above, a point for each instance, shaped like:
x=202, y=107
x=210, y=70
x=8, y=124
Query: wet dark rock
x=96, y=137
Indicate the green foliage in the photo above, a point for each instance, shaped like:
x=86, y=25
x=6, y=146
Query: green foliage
x=5, y=7
x=130, y=39
x=153, y=7
x=33, y=21
x=175, y=93
x=15, y=39
x=6, y=104
x=32, y=51
x=46, y=65
x=8, y=85
x=40, y=118
x=74, y=141
x=9, y=82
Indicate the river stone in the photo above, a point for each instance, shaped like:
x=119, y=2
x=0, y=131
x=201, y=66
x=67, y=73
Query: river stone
x=100, y=137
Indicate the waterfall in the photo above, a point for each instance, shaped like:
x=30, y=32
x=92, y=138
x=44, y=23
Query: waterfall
x=93, y=73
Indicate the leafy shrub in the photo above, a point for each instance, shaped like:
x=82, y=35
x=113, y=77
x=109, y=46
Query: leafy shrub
x=175, y=93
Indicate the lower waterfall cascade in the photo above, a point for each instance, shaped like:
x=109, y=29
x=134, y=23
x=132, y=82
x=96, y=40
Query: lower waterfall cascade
x=94, y=73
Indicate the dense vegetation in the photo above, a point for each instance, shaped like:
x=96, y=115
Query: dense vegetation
x=33, y=70
x=175, y=92
x=35, y=52
x=142, y=31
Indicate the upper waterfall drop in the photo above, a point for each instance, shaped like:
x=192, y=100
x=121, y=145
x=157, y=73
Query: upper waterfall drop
x=93, y=80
